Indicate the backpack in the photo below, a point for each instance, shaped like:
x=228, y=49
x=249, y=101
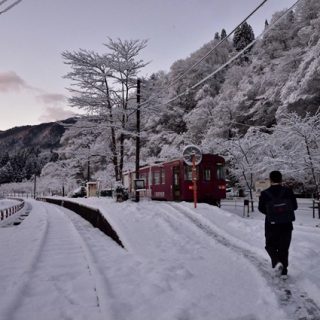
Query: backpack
x=279, y=208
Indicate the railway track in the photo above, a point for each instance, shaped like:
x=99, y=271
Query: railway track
x=296, y=303
x=54, y=268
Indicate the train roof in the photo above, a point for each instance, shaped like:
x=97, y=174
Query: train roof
x=160, y=163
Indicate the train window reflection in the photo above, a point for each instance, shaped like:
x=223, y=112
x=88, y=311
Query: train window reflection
x=207, y=174
x=220, y=172
x=163, y=176
x=156, y=177
x=188, y=173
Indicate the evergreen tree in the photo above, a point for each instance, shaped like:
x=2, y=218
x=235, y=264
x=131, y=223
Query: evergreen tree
x=4, y=158
x=243, y=36
x=223, y=34
x=217, y=36
x=18, y=162
x=6, y=173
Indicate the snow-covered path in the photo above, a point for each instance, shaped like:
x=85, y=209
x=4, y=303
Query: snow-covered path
x=178, y=264
x=294, y=301
x=46, y=274
x=198, y=277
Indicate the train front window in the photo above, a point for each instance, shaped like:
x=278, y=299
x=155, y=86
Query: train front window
x=207, y=174
x=220, y=172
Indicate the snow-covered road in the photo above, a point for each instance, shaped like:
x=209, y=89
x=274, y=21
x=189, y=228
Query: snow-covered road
x=178, y=263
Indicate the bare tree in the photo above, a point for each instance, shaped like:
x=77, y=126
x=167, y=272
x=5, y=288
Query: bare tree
x=102, y=85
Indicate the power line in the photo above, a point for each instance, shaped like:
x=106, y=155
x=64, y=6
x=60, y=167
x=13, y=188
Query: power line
x=9, y=6
x=217, y=45
x=233, y=58
x=228, y=62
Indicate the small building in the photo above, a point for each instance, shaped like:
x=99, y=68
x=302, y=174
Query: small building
x=92, y=188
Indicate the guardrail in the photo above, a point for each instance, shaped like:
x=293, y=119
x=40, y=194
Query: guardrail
x=94, y=216
x=8, y=212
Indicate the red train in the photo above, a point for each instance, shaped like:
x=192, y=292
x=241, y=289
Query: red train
x=172, y=180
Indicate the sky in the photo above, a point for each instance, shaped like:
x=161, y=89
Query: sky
x=34, y=33
x=179, y=263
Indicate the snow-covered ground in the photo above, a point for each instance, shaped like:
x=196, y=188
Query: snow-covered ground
x=178, y=263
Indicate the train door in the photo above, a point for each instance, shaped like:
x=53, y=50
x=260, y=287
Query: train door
x=176, y=183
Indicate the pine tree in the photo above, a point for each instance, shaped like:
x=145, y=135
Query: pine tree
x=7, y=173
x=223, y=34
x=243, y=36
x=4, y=158
x=217, y=36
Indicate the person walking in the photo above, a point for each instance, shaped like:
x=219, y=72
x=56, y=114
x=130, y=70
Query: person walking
x=278, y=204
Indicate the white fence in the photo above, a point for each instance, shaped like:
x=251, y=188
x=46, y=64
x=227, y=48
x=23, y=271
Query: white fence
x=8, y=212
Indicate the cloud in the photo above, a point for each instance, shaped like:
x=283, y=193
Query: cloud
x=54, y=109
x=51, y=98
x=10, y=81
x=55, y=114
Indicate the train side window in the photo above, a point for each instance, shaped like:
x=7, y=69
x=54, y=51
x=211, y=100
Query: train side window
x=206, y=174
x=220, y=172
x=163, y=176
x=156, y=177
x=188, y=173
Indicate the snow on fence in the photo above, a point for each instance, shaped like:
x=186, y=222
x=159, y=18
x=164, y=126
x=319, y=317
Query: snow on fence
x=92, y=215
x=8, y=212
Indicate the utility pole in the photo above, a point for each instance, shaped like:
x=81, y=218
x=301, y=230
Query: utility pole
x=88, y=169
x=34, y=186
x=138, y=137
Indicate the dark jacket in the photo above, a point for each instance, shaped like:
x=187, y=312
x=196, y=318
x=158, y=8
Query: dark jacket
x=275, y=191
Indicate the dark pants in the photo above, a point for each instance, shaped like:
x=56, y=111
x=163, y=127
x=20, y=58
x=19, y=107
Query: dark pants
x=278, y=238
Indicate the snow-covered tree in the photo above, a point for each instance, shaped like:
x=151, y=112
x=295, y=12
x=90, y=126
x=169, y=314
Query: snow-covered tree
x=102, y=84
x=243, y=155
x=223, y=34
x=243, y=36
x=299, y=137
x=279, y=39
x=198, y=119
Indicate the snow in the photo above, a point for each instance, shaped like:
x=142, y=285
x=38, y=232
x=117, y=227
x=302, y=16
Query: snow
x=178, y=263
x=7, y=203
